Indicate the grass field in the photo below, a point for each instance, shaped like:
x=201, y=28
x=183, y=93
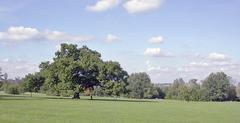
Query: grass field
x=43, y=109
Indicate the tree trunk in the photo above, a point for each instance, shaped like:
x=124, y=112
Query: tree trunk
x=91, y=97
x=76, y=95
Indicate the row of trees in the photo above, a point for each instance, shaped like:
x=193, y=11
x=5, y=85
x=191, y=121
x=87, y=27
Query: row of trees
x=81, y=70
x=216, y=87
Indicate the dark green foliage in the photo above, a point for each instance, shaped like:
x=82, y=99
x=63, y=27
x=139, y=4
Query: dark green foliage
x=76, y=70
x=216, y=87
x=113, y=79
x=139, y=85
x=33, y=82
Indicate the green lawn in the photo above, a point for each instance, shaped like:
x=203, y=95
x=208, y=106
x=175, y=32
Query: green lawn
x=43, y=109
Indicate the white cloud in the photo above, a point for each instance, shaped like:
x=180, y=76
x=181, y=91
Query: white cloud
x=112, y=38
x=152, y=51
x=156, y=40
x=62, y=36
x=103, y=5
x=218, y=57
x=137, y=6
x=17, y=68
x=197, y=70
x=156, y=52
x=20, y=33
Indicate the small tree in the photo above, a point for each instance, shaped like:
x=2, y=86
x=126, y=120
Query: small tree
x=3, y=78
x=232, y=93
x=32, y=83
x=238, y=90
x=216, y=87
x=12, y=89
x=139, y=85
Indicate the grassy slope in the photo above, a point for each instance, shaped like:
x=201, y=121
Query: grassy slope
x=49, y=110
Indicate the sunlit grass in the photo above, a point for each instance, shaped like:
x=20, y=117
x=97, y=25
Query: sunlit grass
x=49, y=109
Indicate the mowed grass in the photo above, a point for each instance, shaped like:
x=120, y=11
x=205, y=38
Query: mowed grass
x=44, y=109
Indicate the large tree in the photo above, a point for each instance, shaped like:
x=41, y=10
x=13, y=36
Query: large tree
x=82, y=69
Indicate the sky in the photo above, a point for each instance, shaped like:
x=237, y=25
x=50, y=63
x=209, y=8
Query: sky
x=167, y=39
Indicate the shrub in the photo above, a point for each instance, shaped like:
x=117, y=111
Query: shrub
x=12, y=89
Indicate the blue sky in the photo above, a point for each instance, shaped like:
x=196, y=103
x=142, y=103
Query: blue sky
x=165, y=38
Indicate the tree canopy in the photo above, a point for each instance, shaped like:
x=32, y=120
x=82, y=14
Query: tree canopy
x=82, y=69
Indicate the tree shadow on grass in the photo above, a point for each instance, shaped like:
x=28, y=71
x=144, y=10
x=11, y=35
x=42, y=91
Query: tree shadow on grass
x=27, y=97
x=123, y=100
x=24, y=97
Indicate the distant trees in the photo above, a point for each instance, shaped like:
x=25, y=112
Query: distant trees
x=238, y=91
x=12, y=88
x=7, y=86
x=173, y=92
x=216, y=87
x=140, y=87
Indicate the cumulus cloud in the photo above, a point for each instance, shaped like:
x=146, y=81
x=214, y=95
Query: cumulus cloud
x=103, y=5
x=218, y=57
x=20, y=33
x=138, y=6
x=156, y=40
x=17, y=68
x=112, y=38
x=156, y=52
x=62, y=36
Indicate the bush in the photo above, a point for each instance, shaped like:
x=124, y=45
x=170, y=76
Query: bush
x=12, y=89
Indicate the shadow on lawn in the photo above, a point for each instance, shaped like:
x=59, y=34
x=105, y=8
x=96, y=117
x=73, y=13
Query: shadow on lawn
x=27, y=97
x=123, y=100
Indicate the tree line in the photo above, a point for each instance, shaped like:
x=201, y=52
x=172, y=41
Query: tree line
x=75, y=71
x=216, y=87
